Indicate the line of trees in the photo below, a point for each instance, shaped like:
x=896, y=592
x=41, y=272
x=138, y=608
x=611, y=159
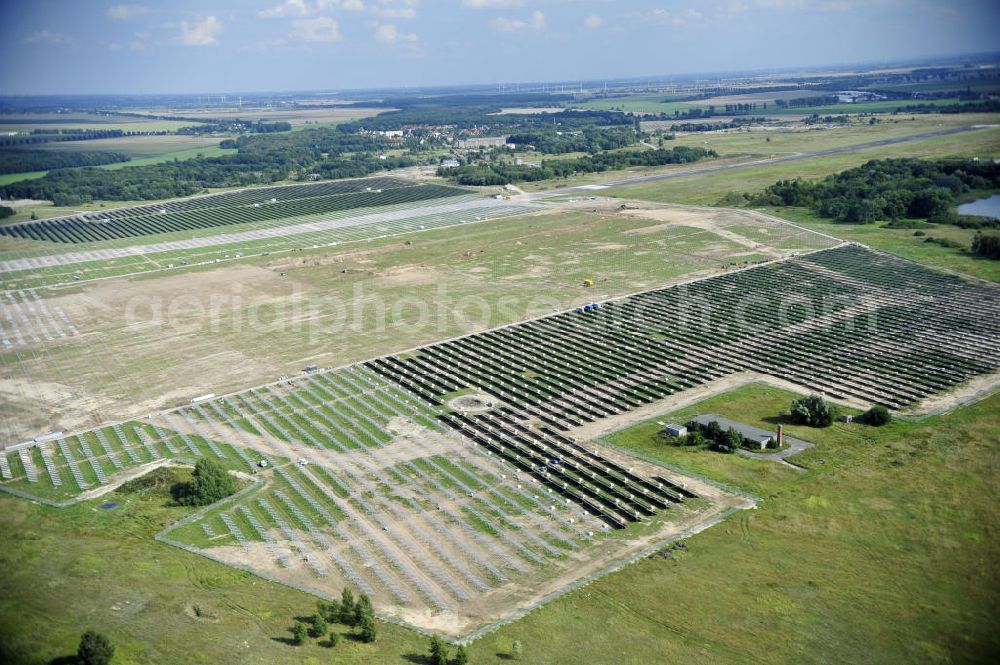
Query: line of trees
x=589, y=139
x=236, y=126
x=502, y=174
x=38, y=136
x=17, y=161
x=986, y=246
x=888, y=189
x=797, y=102
x=735, y=123
x=260, y=159
x=484, y=116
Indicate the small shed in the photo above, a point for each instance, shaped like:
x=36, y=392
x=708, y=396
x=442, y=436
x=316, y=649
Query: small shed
x=673, y=429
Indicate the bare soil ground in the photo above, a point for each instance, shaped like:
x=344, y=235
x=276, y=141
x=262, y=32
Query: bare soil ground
x=524, y=590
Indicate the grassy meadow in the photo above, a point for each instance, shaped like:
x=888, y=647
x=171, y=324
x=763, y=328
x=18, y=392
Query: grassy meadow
x=882, y=551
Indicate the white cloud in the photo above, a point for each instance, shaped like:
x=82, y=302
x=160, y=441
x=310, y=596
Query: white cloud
x=286, y=8
x=593, y=21
x=684, y=17
x=387, y=33
x=202, y=32
x=125, y=12
x=492, y=4
x=319, y=29
x=346, y=5
x=46, y=37
x=139, y=43
x=400, y=9
x=536, y=22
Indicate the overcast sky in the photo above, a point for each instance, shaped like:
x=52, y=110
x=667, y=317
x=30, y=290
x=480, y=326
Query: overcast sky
x=87, y=46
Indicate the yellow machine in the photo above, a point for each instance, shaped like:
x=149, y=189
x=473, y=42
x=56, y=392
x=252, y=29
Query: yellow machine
x=588, y=282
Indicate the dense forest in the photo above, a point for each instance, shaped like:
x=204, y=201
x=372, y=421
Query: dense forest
x=821, y=100
x=589, y=139
x=16, y=161
x=236, y=126
x=888, y=189
x=502, y=174
x=260, y=159
x=54, y=135
x=471, y=117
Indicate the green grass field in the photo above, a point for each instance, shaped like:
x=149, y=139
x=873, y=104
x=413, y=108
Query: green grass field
x=881, y=552
x=903, y=242
x=646, y=103
x=26, y=122
x=709, y=189
x=144, y=150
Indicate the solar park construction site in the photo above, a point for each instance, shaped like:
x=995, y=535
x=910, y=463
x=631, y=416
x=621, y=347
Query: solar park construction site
x=458, y=483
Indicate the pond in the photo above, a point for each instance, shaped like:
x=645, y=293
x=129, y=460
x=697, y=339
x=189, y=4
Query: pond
x=983, y=207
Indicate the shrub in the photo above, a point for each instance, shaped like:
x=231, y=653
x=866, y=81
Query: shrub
x=368, y=631
x=299, y=633
x=813, y=411
x=319, y=628
x=876, y=416
x=95, y=649
x=209, y=484
x=439, y=652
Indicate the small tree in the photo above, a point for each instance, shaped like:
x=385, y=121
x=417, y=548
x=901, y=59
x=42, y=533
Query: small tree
x=713, y=431
x=876, y=416
x=516, y=649
x=734, y=440
x=813, y=411
x=368, y=631
x=209, y=484
x=347, y=607
x=439, y=652
x=319, y=627
x=95, y=649
x=461, y=657
x=330, y=611
x=362, y=608
x=694, y=438
x=299, y=633
x=333, y=639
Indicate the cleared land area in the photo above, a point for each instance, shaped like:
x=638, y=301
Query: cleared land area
x=365, y=456
x=329, y=115
x=913, y=478
x=137, y=147
x=440, y=533
x=165, y=338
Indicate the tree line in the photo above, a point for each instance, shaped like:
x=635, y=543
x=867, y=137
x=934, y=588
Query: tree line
x=260, y=159
x=17, y=161
x=822, y=100
x=236, y=126
x=502, y=174
x=589, y=139
x=888, y=189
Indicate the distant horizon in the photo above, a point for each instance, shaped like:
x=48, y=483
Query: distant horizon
x=491, y=86
x=53, y=47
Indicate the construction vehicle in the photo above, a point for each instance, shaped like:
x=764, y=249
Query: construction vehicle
x=588, y=282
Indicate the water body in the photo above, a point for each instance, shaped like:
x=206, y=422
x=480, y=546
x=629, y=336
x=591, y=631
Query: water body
x=983, y=207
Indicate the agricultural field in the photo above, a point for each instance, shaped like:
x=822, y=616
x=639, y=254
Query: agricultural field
x=26, y=122
x=297, y=117
x=139, y=147
x=708, y=189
